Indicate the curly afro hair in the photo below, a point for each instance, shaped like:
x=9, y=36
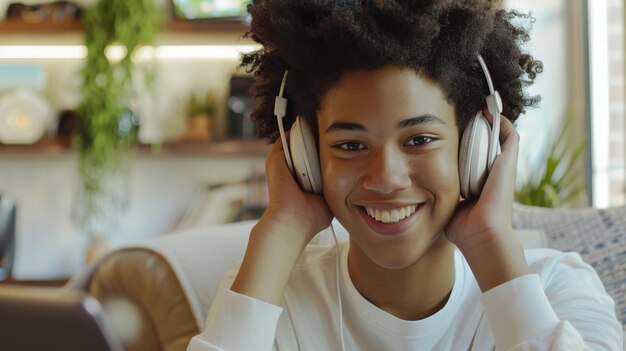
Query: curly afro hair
x=319, y=40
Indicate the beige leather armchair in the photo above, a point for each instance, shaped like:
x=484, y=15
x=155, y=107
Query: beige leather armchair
x=171, y=281
x=147, y=280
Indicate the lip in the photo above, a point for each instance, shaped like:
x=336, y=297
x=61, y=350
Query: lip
x=390, y=229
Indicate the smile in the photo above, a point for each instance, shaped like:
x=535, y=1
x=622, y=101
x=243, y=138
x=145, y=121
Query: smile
x=390, y=215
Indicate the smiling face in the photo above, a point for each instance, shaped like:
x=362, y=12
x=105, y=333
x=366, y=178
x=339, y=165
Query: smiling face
x=388, y=153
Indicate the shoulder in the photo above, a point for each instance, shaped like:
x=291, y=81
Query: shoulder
x=314, y=256
x=314, y=259
x=546, y=260
x=549, y=262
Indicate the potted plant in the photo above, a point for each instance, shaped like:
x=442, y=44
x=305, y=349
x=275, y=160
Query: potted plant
x=555, y=183
x=200, y=112
x=103, y=141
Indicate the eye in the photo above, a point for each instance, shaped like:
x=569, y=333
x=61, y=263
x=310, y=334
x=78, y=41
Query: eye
x=351, y=146
x=420, y=140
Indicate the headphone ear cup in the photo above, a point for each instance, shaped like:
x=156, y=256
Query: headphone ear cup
x=473, y=155
x=305, y=157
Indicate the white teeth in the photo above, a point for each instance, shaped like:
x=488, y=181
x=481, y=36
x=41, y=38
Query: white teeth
x=386, y=218
x=390, y=216
x=395, y=216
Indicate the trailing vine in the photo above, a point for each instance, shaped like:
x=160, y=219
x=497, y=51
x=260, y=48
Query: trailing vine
x=103, y=149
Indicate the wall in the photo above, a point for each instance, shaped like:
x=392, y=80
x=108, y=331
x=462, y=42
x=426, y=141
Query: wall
x=49, y=245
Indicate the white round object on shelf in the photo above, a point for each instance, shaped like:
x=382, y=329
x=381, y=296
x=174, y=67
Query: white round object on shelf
x=25, y=116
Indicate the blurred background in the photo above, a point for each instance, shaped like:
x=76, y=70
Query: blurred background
x=111, y=137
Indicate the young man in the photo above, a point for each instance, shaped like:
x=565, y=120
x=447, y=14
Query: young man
x=389, y=87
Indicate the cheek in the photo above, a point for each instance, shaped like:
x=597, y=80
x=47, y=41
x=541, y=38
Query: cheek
x=440, y=174
x=338, y=180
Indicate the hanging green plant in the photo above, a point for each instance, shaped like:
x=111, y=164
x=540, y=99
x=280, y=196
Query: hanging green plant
x=103, y=145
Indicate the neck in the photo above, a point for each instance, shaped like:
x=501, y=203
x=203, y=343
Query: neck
x=410, y=293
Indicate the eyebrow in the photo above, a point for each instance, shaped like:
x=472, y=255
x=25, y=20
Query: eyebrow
x=409, y=122
x=423, y=119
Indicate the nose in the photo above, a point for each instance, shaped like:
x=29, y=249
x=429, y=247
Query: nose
x=387, y=171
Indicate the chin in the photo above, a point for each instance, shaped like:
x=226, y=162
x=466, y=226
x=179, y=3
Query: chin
x=398, y=258
x=401, y=251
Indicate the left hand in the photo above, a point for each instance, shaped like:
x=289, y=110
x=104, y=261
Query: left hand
x=482, y=227
x=490, y=212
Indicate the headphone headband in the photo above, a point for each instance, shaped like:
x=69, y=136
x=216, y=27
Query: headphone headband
x=280, y=110
x=494, y=105
x=486, y=73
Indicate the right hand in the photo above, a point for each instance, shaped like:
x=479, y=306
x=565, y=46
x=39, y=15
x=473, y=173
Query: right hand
x=289, y=207
x=291, y=220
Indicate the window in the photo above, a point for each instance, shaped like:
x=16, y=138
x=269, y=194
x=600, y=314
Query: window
x=581, y=43
x=608, y=127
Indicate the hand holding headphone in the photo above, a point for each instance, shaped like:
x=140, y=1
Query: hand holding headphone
x=301, y=155
x=479, y=147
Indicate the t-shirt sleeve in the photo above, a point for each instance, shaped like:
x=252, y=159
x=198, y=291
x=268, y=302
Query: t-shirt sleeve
x=563, y=307
x=238, y=322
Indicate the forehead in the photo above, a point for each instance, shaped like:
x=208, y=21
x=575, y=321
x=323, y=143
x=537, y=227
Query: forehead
x=391, y=92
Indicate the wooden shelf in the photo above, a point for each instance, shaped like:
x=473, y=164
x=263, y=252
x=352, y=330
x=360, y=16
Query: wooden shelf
x=15, y=27
x=253, y=148
x=226, y=25
x=176, y=26
x=203, y=148
x=46, y=147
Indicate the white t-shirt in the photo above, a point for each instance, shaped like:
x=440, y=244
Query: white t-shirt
x=562, y=305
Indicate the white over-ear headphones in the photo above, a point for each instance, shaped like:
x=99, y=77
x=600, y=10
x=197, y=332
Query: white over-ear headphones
x=478, y=150
x=302, y=157
x=480, y=143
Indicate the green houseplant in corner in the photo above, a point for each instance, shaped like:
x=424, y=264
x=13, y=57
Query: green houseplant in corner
x=103, y=146
x=555, y=185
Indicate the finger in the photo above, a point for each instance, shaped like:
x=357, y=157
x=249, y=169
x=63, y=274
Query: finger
x=509, y=137
x=487, y=114
x=277, y=154
x=277, y=169
x=507, y=130
x=501, y=180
